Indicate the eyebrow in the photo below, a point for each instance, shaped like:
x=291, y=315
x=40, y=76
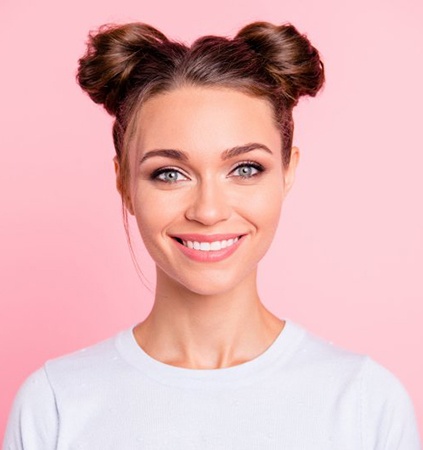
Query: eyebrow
x=226, y=154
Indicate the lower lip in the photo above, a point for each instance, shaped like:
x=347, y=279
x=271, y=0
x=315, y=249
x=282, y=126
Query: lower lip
x=209, y=256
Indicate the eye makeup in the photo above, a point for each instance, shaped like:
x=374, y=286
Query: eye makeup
x=171, y=174
x=246, y=167
x=165, y=173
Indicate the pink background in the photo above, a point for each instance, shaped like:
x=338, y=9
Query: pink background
x=347, y=260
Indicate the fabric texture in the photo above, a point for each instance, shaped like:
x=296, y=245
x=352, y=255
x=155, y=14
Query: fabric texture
x=301, y=393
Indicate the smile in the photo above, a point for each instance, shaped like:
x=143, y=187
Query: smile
x=212, y=248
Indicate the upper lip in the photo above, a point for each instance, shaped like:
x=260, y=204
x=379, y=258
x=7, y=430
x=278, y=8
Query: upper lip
x=206, y=237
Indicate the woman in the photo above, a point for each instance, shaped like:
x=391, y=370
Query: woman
x=204, y=160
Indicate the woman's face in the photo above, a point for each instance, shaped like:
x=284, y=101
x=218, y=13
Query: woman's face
x=207, y=185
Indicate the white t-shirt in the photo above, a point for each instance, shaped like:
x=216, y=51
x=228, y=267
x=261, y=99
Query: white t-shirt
x=301, y=393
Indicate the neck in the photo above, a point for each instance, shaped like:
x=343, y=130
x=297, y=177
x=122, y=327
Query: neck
x=194, y=330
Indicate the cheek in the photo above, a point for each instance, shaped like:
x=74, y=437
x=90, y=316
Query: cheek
x=147, y=214
x=154, y=210
x=264, y=206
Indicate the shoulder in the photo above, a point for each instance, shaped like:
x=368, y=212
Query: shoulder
x=97, y=366
x=82, y=362
x=377, y=380
x=33, y=420
x=383, y=406
x=373, y=380
x=388, y=416
x=320, y=357
x=34, y=417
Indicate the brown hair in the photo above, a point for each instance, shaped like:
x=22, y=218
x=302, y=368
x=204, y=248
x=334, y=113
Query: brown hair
x=125, y=65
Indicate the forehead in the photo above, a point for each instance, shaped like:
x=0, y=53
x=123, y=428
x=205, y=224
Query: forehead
x=208, y=118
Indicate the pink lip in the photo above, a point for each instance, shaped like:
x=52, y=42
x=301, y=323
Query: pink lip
x=212, y=255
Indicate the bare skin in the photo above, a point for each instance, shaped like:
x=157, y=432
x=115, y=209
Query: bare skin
x=208, y=333
x=207, y=315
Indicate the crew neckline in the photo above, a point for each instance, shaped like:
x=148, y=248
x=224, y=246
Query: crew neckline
x=279, y=351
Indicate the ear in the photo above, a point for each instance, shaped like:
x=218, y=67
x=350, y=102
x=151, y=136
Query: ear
x=127, y=200
x=289, y=175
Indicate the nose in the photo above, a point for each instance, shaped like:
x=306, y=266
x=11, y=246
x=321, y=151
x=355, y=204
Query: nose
x=209, y=203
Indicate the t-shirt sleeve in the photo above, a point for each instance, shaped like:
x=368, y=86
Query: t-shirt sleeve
x=33, y=420
x=388, y=417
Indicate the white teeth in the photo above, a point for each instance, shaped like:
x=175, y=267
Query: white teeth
x=209, y=246
x=215, y=245
x=205, y=246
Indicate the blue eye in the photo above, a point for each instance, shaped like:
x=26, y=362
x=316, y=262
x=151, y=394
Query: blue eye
x=248, y=169
x=168, y=175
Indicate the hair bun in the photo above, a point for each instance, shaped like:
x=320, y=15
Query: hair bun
x=113, y=51
x=288, y=56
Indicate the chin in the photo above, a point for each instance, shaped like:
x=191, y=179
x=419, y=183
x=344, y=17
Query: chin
x=208, y=291
x=208, y=283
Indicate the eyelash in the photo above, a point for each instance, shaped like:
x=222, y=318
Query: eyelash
x=252, y=164
x=155, y=175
